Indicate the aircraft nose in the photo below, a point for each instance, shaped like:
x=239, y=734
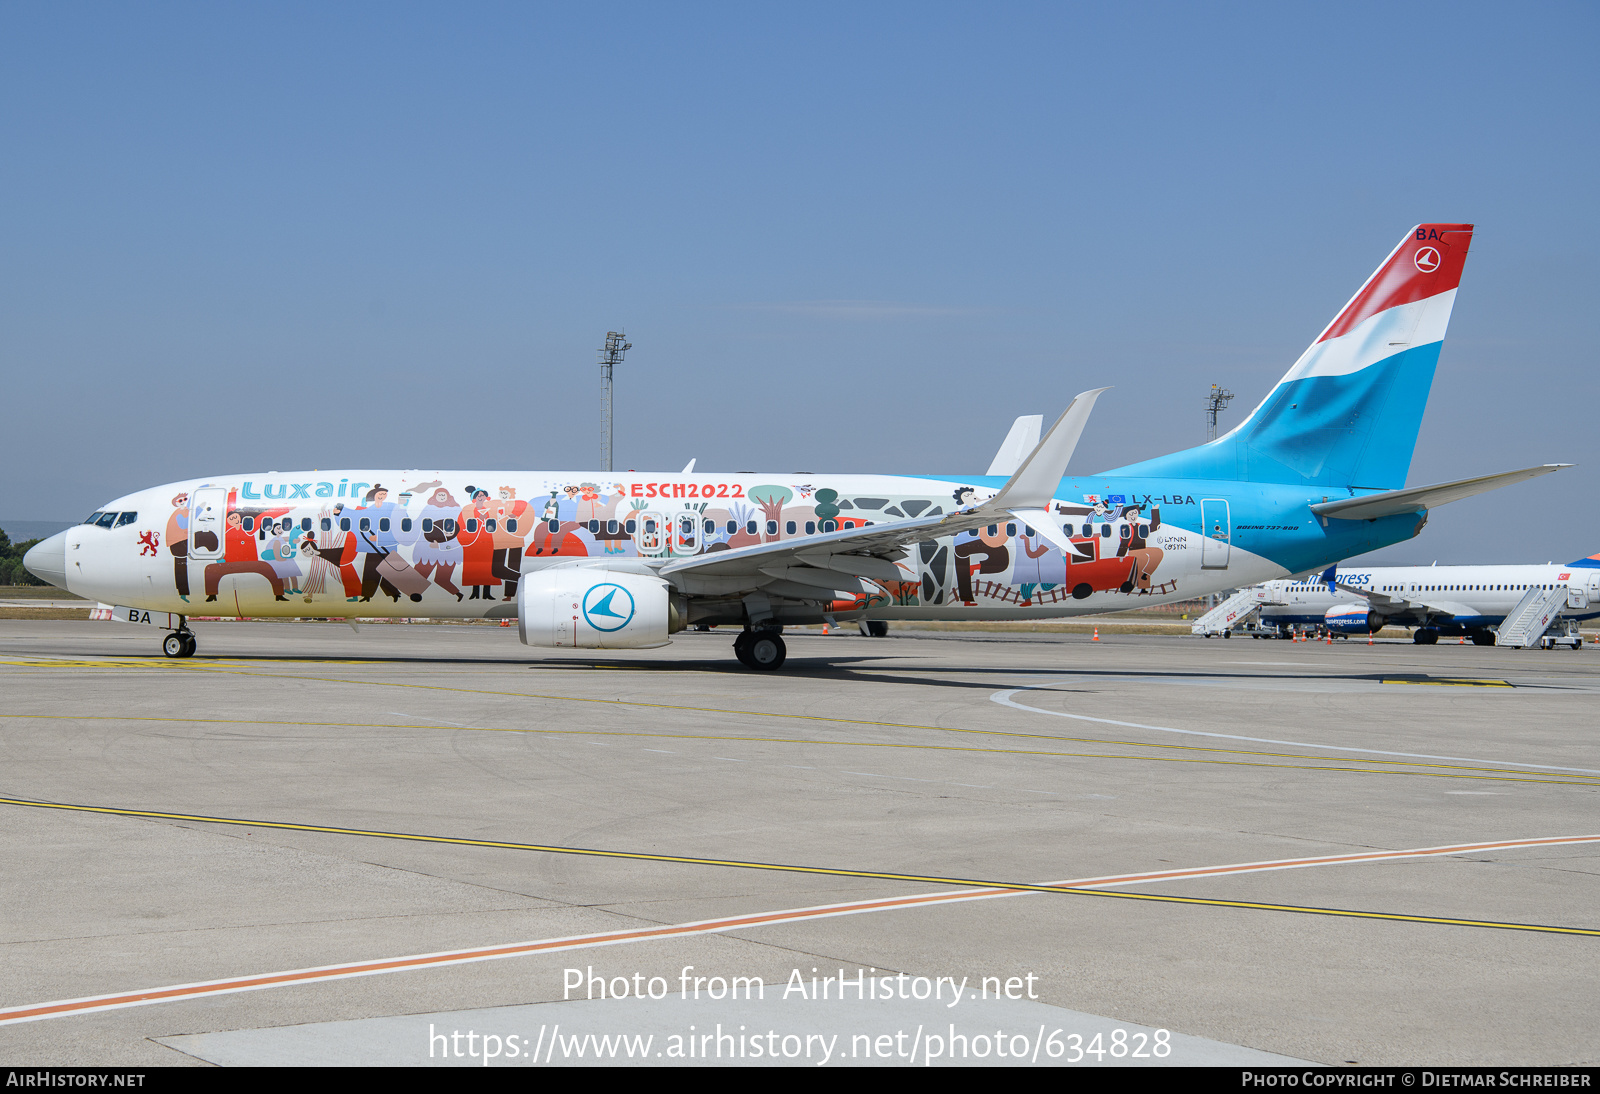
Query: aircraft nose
x=47, y=560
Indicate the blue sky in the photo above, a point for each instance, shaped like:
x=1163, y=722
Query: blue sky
x=841, y=237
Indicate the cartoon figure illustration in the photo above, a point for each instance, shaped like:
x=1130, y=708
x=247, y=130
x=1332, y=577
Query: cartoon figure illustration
x=1039, y=566
x=510, y=522
x=278, y=552
x=439, y=552
x=313, y=546
x=965, y=496
x=1136, y=545
x=477, y=546
x=178, y=544
x=383, y=567
x=239, y=557
x=988, y=546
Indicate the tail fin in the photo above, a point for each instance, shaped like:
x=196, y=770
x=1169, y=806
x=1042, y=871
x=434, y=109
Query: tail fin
x=1348, y=412
x=1592, y=562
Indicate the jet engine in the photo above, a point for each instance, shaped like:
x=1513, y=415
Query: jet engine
x=1357, y=618
x=593, y=609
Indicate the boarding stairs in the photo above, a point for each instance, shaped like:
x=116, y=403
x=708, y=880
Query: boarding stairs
x=1231, y=613
x=1525, y=624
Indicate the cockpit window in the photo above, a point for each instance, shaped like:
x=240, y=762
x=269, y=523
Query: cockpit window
x=94, y=518
x=107, y=520
x=126, y=518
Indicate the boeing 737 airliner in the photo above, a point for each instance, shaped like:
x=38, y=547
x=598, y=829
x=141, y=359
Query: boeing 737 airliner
x=593, y=560
x=1435, y=600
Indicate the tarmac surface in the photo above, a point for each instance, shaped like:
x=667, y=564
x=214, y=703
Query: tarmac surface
x=367, y=843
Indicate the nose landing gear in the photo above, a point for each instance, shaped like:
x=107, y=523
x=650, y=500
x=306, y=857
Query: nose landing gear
x=179, y=644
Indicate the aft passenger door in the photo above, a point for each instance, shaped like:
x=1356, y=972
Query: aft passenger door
x=1217, y=527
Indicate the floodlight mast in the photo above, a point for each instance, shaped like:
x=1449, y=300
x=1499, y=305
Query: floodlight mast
x=1216, y=402
x=610, y=356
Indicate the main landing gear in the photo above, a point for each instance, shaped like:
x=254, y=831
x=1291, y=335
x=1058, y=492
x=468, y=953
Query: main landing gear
x=179, y=644
x=763, y=649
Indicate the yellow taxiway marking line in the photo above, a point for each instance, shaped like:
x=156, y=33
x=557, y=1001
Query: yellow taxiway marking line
x=1448, y=683
x=1379, y=766
x=1085, y=886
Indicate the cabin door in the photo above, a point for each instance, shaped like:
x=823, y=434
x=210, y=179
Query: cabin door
x=207, y=525
x=1217, y=528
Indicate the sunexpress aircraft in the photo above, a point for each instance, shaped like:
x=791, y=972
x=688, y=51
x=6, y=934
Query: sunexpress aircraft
x=1315, y=474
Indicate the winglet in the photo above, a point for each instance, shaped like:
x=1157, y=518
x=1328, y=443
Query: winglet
x=1036, y=480
x=1328, y=576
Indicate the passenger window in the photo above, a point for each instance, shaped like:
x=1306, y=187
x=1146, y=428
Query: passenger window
x=1011, y=530
x=1105, y=531
x=849, y=524
x=305, y=524
x=631, y=527
x=491, y=525
x=472, y=524
x=772, y=527
x=750, y=527
x=554, y=526
x=649, y=527
x=611, y=527
x=710, y=526
x=450, y=527
x=594, y=527
x=829, y=526
x=789, y=528
x=344, y=524
x=366, y=524
x=126, y=518
x=1144, y=531
x=993, y=529
x=248, y=524
x=1088, y=530
x=811, y=527
x=1027, y=530
x=327, y=524
x=733, y=526
x=383, y=524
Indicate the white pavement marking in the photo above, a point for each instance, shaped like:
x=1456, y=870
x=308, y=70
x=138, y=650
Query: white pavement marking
x=36, y=1012
x=1004, y=699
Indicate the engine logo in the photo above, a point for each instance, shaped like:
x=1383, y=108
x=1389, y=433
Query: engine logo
x=608, y=607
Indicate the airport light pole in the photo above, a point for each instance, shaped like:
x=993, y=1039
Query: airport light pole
x=610, y=357
x=1216, y=402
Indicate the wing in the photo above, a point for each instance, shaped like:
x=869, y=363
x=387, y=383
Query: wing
x=811, y=567
x=1384, y=604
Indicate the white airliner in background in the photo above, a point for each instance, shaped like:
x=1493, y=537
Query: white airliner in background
x=1472, y=601
x=615, y=560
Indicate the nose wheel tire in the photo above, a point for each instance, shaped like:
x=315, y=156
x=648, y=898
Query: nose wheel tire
x=178, y=644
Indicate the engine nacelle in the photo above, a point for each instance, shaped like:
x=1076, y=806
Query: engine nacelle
x=1355, y=618
x=592, y=609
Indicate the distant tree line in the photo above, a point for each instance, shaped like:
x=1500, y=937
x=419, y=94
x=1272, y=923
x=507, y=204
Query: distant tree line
x=12, y=572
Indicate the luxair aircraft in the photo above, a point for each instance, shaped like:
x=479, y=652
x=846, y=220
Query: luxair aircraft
x=595, y=560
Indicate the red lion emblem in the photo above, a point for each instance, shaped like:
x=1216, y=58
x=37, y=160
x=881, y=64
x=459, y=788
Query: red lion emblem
x=148, y=542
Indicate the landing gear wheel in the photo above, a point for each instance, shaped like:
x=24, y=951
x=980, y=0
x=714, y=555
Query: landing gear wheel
x=875, y=628
x=1423, y=636
x=189, y=645
x=173, y=645
x=766, y=651
x=741, y=649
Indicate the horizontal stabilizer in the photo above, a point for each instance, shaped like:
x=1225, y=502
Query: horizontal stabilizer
x=1392, y=502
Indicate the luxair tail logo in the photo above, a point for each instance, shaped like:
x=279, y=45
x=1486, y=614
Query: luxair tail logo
x=608, y=607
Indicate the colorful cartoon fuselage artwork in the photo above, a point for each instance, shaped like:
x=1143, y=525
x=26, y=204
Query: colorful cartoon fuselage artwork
x=455, y=544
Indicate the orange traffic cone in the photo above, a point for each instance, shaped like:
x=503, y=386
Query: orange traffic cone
x=1096, y=637
x=1369, y=638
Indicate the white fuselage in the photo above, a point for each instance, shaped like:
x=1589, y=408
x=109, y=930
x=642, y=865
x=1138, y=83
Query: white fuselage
x=1474, y=595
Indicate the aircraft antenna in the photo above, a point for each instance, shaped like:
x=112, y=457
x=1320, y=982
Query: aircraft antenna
x=610, y=357
x=1216, y=402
